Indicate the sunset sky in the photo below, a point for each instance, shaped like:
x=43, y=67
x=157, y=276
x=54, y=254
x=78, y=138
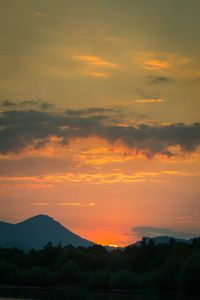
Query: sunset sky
x=100, y=116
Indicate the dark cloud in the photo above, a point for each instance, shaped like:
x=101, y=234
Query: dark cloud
x=73, y=112
x=42, y=105
x=160, y=79
x=7, y=103
x=93, y=110
x=88, y=111
x=45, y=105
x=22, y=129
x=152, y=232
x=29, y=102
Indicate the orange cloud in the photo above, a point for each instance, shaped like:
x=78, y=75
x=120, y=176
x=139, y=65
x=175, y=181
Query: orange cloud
x=70, y=204
x=76, y=204
x=99, y=176
x=98, y=74
x=149, y=100
x=156, y=65
x=95, y=66
x=42, y=204
x=96, y=61
x=28, y=186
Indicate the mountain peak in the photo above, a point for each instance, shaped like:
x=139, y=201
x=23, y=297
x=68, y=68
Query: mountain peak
x=37, y=231
x=41, y=217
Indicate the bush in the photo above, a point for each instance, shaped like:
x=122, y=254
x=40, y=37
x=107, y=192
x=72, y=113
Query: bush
x=70, y=272
x=168, y=274
x=124, y=279
x=100, y=279
x=189, y=279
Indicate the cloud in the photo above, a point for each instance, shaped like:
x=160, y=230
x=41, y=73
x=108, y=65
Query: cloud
x=156, y=65
x=96, y=61
x=29, y=102
x=7, y=103
x=153, y=232
x=83, y=176
x=38, y=204
x=95, y=66
x=22, y=186
x=76, y=204
x=149, y=100
x=68, y=204
x=88, y=111
x=160, y=79
x=22, y=131
x=45, y=105
x=42, y=105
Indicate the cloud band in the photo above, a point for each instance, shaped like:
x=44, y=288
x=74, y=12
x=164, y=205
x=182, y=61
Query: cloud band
x=21, y=130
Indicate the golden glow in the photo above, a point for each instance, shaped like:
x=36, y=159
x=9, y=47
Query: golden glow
x=156, y=64
x=98, y=177
x=98, y=74
x=149, y=100
x=96, y=61
x=95, y=66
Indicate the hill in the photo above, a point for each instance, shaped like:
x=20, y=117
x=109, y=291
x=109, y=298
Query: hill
x=36, y=232
x=164, y=240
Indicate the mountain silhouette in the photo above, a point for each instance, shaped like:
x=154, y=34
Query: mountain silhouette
x=36, y=232
x=164, y=240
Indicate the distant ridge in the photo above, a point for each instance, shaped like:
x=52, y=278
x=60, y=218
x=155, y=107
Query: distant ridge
x=36, y=232
x=165, y=240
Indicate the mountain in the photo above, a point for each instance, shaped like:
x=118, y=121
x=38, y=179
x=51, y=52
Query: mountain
x=36, y=232
x=165, y=240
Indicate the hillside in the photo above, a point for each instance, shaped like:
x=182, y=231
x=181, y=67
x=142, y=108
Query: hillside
x=36, y=232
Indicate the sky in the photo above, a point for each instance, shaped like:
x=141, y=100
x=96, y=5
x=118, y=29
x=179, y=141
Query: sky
x=100, y=116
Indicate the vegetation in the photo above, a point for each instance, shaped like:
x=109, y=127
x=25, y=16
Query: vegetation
x=173, y=266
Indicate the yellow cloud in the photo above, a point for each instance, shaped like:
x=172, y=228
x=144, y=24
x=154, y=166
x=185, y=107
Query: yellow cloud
x=149, y=100
x=96, y=61
x=99, y=74
x=95, y=66
x=170, y=64
x=156, y=64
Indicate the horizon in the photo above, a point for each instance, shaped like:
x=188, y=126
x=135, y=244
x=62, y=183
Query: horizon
x=175, y=235
x=99, y=116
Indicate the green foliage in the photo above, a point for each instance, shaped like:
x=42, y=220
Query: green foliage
x=148, y=280
x=70, y=273
x=189, y=278
x=100, y=279
x=182, y=250
x=168, y=274
x=173, y=266
x=124, y=279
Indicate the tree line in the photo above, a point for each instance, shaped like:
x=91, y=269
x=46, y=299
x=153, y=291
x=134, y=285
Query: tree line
x=174, y=266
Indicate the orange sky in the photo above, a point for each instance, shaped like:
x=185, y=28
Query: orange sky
x=99, y=116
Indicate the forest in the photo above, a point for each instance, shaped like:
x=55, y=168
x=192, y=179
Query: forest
x=174, y=266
